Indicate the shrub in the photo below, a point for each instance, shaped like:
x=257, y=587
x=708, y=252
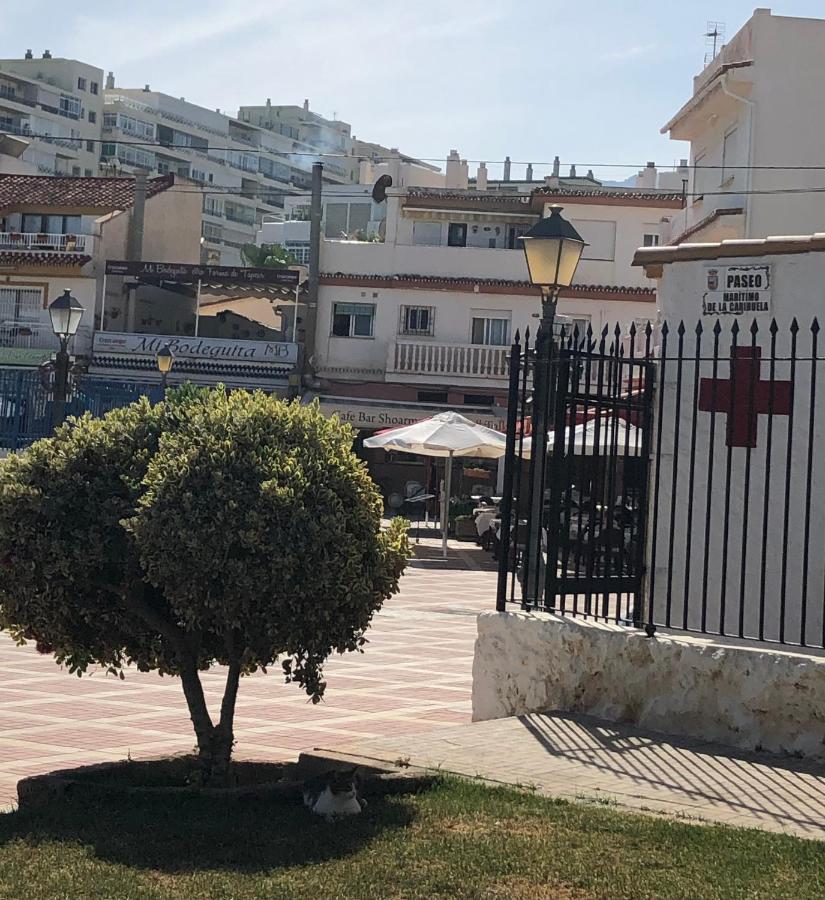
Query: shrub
x=210, y=528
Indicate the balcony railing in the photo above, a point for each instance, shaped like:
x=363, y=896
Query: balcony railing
x=465, y=360
x=65, y=243
x=36, y=335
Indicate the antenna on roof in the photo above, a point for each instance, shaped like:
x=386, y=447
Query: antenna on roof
x=714, y=40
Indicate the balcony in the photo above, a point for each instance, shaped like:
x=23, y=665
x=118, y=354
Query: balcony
x=28, y=334
x=424, y=358
x=63, y=243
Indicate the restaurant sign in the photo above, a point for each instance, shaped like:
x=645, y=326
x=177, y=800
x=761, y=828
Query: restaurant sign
x=736, y=290
x=379, y=414
x=188, y=273
x=216, y=349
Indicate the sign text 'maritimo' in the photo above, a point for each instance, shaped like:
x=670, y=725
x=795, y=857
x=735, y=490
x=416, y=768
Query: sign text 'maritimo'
x=736, y=290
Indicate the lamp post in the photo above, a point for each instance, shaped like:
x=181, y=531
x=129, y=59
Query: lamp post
x=553, y=249
x=165, y=360
x=65, y=313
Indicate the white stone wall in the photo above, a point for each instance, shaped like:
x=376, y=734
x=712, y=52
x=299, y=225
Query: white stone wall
x=744, y=695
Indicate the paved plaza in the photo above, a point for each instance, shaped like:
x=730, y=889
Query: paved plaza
x=415, y=674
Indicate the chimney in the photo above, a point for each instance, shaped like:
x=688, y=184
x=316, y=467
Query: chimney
x=146, y=88
x=648, y=177
x=46, y=54
x=269, y=101
x=590, y=175
x=365, y=172
x=506, y=168
x=529, y=171
x=556, y=167
x=572, y=171
x=306, y=105
x=481, y=177
x=452, y=178
x=110, y=81
x=29, y=55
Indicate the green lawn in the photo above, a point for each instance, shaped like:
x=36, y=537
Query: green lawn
x=456, y=840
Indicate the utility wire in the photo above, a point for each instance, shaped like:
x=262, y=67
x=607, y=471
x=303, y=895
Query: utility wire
x=437, y=159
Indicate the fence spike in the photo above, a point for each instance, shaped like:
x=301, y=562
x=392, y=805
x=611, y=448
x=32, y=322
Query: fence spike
x=815, y=326
x=665, y=329
x=717, y=328
x=734, y=329
x=517, y=339
x=633, y=329
x=794, y=326
x=754, y=328
x=699, y=328
x=681, y=329
x=773, y=327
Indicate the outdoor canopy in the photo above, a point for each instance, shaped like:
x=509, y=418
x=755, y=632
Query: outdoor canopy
x=612, y=433
x=447, y=434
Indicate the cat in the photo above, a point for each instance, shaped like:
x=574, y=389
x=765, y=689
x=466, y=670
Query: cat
x=334, y=794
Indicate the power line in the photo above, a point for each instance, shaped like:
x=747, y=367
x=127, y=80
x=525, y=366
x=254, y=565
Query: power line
x=439, y=159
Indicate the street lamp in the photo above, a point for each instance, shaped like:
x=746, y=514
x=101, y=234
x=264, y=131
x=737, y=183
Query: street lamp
x=552, y=248
x=65, y=313
x=165, y=360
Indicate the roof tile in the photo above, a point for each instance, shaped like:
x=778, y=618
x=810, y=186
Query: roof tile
x=58, y=191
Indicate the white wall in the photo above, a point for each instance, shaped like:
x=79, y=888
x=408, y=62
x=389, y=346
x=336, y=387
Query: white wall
x=453, y=313
x=797, y=291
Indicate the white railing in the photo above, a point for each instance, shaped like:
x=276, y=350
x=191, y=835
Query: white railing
x=467, y=360
x=67, y=243
x=36, y=335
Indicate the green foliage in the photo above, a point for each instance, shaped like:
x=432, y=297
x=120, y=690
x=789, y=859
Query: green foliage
x=212, y=527
x=267, y=256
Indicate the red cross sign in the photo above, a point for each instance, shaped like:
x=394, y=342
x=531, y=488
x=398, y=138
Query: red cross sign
x=744, y=396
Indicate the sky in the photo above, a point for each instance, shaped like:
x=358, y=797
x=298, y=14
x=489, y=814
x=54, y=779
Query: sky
x=592, y=81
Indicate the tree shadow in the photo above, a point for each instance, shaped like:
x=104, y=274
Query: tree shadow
x=194, y=833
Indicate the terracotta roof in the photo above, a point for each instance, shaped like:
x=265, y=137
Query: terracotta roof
x=58, y=191
x=491, y=197
x=37, y=258
x=629, y=194
x=491, y=285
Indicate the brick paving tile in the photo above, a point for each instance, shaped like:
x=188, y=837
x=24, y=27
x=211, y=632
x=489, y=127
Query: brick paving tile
x=578, y=756
x=418, y=662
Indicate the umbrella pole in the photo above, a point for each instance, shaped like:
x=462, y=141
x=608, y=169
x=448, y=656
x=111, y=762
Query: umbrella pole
x=445, y=510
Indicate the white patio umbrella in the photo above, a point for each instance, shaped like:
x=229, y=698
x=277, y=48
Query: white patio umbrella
x=626, y=438
x=447, y=434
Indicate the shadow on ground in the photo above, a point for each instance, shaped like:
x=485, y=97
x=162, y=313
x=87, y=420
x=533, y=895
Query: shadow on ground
x=176, y=835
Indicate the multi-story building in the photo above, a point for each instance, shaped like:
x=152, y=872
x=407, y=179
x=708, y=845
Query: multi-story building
x=55, y=106
x=423, y=320
x=56, y=232
x=246, y=171
x=313, y=137
x=755, y=127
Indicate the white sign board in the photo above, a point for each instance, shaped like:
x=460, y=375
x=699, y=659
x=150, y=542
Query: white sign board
x=216, y=349
x=378, y=415
x=736, y=290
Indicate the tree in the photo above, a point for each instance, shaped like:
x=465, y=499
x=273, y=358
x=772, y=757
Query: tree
x=213, y=527
x=267, y=256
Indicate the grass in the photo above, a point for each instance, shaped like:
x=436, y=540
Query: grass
x=456, y=840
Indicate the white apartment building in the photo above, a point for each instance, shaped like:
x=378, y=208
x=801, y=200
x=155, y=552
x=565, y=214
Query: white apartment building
x=246, y=171
x=330, y=140
x=758, y=104
x=55, y=108
x=427, y=316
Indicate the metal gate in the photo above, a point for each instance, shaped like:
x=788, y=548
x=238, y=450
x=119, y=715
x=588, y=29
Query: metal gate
x=573, y=524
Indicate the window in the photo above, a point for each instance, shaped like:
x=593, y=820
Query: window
x=92, y=116
x=426, y=234
x=70, y=107
x=416, y=320
x=479, y=399
x=729, y=154
x=650, y=240
x=300, y=250
x=87, y=173
x=432, y=396
x=93, y=87
x=353, y=319
x=491, y=330
x=457, y=234
x=599, y=236
x=335, y=223
x=514, y=234
x=90, y=146
x=81, y=84
x=75, y=170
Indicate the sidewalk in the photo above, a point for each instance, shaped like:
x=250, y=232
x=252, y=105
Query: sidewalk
x=582, y=758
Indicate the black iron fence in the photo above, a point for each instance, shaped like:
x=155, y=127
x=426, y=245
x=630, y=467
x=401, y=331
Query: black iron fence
x=684, y=484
